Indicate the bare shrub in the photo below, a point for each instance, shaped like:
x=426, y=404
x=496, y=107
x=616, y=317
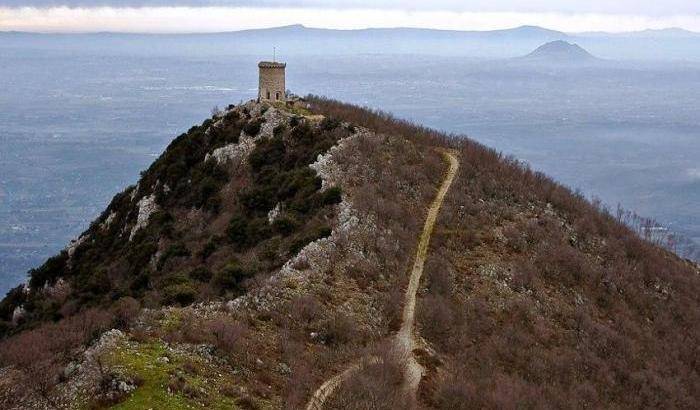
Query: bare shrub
x=227, y=334
x=562, y=263
x=440, y=281
x=393, y=307
x=339, y=329
x=458, y=393
x=524, y=276
x=515, y=239
x=378, y=385
x=39, y=354
x=125, y=311
x=300, y=381
x=436, y=316
x=364, y=273
x=305, y=308
x=31, y=355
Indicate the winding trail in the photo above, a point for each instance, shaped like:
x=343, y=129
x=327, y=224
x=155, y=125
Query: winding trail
x=405, y=340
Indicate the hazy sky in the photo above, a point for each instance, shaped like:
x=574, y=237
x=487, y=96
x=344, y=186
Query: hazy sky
x=221, y=15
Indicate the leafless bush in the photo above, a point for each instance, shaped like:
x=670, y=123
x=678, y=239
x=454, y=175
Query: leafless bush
x=125, y=311
x=440, y=280
x=524, y=276
x=305, y=308
x=227, y=334
x=458, y=393
x=436, y=316
x=379, y=121
x=393, y=307
x=339, y=329
x=377, y=385
x=39, y=354
x=32, y=356
x=300, y=382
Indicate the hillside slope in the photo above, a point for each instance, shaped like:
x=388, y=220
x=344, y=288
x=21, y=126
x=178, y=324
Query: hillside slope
x=271, y=247
x=560, y=52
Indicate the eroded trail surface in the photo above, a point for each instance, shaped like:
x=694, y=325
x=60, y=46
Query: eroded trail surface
x=405, y=340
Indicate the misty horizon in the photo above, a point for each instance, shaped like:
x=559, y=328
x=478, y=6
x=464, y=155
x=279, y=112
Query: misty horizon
x=670, y=30
x=223, y=16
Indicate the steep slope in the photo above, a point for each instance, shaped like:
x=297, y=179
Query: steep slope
x=231, y=198
x=267, y=239
x=273, y=247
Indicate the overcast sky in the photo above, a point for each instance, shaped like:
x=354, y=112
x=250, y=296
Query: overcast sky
x=222, y=15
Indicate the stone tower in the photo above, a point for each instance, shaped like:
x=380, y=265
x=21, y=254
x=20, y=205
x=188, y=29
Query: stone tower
x=272, y=86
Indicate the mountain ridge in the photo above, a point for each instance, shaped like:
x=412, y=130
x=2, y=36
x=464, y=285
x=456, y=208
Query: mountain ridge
x=268, y=248
x=526, y=29
x=297, y=40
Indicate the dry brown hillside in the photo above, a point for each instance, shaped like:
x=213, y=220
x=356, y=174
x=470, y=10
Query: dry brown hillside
x=269, y=250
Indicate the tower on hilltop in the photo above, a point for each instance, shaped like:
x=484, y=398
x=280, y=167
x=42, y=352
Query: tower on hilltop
x=272, y=86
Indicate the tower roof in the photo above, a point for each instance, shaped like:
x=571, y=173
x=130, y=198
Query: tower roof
x=271, y=64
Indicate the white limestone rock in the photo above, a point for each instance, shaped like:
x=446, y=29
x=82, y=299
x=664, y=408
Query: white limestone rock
x=61, y=287
x=18, y=314
x=273, y=117
x=239, y=151
x=108, y=221
x=274, y=213
x=134, y=191
x=147, y=206
x=233, y=152
x=325, y=166
x=73, y=245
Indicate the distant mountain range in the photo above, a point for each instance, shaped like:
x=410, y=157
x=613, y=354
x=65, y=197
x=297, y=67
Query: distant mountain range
x=667, y=44
x=649, y=33
x=520, y=32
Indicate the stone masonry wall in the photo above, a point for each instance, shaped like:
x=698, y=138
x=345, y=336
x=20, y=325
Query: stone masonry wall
x=272, y=83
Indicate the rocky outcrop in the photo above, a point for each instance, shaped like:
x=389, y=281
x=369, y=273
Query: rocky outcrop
x=329, y=171
x=108, y=221
x=349, y=237
x=17, y=315
x=74, y=244
x=238, y=152
x=147, y=206
x=274, y=213
x=233, y=152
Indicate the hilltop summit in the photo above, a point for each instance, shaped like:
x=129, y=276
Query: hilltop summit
x=314, y=254
x=560, y=51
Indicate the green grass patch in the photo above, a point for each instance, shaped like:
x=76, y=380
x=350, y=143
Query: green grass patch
x=142, y=361
x=295, y=109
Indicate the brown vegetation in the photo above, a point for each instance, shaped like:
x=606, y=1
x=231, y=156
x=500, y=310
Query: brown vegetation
x=39, y=355
x=540, y=298
x=532, y=296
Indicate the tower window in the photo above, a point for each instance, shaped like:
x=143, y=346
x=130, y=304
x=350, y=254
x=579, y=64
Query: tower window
x=277, y=95
x=268, y=95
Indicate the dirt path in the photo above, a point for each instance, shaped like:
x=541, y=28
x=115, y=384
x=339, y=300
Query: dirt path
x=404, y=340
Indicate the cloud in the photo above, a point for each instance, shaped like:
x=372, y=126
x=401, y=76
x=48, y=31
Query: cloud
x=638, y=7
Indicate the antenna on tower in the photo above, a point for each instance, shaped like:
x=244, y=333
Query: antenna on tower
x=274, y=54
